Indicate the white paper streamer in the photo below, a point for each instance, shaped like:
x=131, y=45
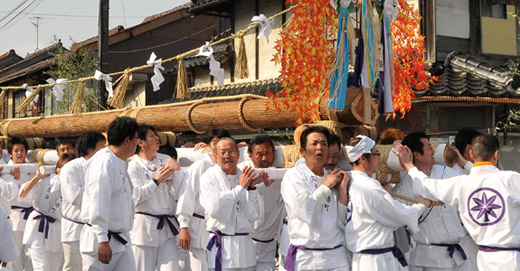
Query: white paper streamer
x=265, y=26
x=157, y=77
x=214, y=66
x=58, y=88
x=108, y=82
x=28, y=92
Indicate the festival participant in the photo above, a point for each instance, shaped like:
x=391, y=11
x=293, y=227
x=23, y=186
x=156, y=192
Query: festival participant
x=232, y=205
x=463, y=144
x=440, y=230
x=261, y=152
x=488, y=201
x=374, y=213
x=71, y=185
x=107, y=208
x=65, y=146
x=190, y=213
x=2, y=160
x=42, y=234
x=334, y=152
x=315, y=201
x=7, y=253
x=20, y=210
x=155, y=192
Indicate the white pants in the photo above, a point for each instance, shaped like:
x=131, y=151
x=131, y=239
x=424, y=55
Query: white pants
x=265, y=253
x=71, y=256
x=281, y=262
x=183, y=257
x=121, y=261
x=252, y=268
x=162, y=258
x=499, y=260
x=385, y=261
x=199, y=259
x=23, y=262
x=44, y=260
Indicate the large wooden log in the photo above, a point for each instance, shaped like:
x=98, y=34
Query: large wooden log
x=173, y=117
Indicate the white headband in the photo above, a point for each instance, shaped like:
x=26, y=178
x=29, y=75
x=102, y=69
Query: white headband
x=364, y=146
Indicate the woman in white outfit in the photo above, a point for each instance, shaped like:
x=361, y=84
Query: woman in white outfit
x=42, y=233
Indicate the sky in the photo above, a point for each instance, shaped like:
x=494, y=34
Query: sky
x=68, y=20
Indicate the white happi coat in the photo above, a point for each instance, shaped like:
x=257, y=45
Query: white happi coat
x=231, y=209
x=314, y=221
x=72, y=182
x=107, y=202
x=45, y=196
x=189, y=204
x=153, y=199
x=438, y=225
x=8, y=193
x=488, y=201
x=16, y=215
x=7, y=253
x=374, y=217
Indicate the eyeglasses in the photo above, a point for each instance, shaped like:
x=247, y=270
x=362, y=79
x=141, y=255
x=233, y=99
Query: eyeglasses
x=231, y=153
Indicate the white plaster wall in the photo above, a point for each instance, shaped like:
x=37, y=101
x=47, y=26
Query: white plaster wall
x=452, y=18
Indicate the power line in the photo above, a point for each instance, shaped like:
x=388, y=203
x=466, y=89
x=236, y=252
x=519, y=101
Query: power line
x=13, y=10
x=123, y=7
x=71, y=15
x=31, y=5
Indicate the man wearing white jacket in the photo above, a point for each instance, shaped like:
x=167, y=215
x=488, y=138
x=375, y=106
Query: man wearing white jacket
x=155, y=196
x=232, y=205
x=71, y=184
x=107, y=208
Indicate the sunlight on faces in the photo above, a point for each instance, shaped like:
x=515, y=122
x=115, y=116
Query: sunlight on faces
x=18, y=153
x=151, y=143
x=316, y=149
x=65, y=148
x=333, y=157
x=212, y=143
x=427, y=158
x=262, y=155
x=227, y=156
x=375, y=158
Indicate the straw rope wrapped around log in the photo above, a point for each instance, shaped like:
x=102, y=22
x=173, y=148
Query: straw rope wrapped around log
x=78, y=99
x=241, y=69
x=182, y=81
x=117, y=100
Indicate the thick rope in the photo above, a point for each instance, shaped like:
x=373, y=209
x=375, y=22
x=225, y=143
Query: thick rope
x=188, y=118
x=403, y=197
x=241, y=116
x=22, y=107
x=75, y=109
x=118, y=99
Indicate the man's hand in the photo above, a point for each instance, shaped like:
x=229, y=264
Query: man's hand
x=16, y=173
x=334, y=178
x=200, y=145
x=104, y=253
x=185, y=238
x=268, y=182
x=260, y=179
x=39, y=175
x=343, y=188
x=246, y=177
x=404, y=154
x=173, y=164
x=425, y=202
x=163, y=174
x=460, y=158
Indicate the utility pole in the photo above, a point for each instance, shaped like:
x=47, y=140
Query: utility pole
x=103, y=48
x=37, y=26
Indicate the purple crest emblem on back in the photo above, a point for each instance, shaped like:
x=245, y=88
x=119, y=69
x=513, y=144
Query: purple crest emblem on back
x=486, y=206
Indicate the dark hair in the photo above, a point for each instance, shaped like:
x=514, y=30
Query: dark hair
x=64, y=158
x=259, y=140
x=88, y=140
x=313, y=129
x=226, y=138
x=141, y=133
x=353, y=142
x=65, y=142
x=464, y=137
x=334, y=139
x=168, y=150
x=484, y=147
x=16, y=140
x=390, y=135
x=413, y=141
x=218, y=133
x=121, y=128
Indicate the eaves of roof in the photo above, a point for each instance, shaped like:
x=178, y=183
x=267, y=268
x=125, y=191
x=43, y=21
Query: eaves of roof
x=36, y=67
x=220, y=51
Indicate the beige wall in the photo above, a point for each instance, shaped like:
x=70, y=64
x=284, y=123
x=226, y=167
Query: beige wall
x=499, y=35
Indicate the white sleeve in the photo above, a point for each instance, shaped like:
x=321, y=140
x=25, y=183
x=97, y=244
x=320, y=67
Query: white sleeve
x=435, y=189
x=218, y=203
x=342, y=215
x=71, y=184
x=8, y=188
x=300, y=199
x=254, y=206
x=391, y=213
x=98, y=184
x=187, y=192
x=467, y=167
x=142, y=188
x=33, y=193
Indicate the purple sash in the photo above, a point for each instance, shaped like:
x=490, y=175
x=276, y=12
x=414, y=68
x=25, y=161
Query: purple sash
x=162, y=219
x=216, y=240
x=198, y=216
x=395, y=251
x=291, y=254
x=451, y=249
x=495, y=249
x=25, y=210
x=72, y=220
x=44, y=222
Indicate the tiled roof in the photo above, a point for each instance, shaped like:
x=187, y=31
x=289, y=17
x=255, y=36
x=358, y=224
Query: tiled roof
x=258, y=87
x=219, y=52
x=464, y=75
x=94, y=39
x=198, y=6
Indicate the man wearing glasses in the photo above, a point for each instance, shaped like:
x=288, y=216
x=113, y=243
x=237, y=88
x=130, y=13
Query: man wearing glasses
x=374, y=213
x=232, y=204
